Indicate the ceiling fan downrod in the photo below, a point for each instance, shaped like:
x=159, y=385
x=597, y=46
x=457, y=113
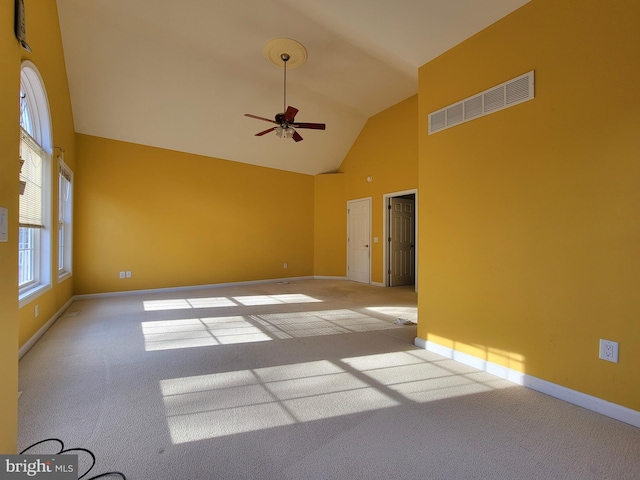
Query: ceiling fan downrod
x=285, y=58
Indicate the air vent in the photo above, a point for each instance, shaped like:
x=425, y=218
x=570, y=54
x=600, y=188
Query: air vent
x=510, y=93
x=438, y=120
x=472, y=107
x=494, y=99
x=454, y=114
x=517, y=90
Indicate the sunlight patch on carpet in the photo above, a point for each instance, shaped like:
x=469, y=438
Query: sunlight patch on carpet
x=275, y=299
x=421, y=380
x=216, y=302
x=212, y=331
x=408, y=313
x=200, y=332
x=228, y=403
x=321, y=322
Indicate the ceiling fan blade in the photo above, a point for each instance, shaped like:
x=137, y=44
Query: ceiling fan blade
x=265, y=132
x=259, y=118
x=296, y=137
x=290, y=114
x=315, y=126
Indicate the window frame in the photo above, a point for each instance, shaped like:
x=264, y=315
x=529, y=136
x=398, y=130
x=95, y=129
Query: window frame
x=65, y=220
x=36, y=101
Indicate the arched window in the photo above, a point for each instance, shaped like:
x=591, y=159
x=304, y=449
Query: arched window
x=34, y=244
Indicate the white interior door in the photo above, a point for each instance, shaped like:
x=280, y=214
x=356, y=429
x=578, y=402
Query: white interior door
x=402, y=242
x=359, y=240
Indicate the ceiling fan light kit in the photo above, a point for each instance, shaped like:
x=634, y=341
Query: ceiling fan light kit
x=286, y=53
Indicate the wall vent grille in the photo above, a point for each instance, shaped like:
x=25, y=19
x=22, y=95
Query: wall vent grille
x=508, y=94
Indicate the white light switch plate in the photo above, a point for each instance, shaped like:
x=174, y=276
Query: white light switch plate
x=4, y=225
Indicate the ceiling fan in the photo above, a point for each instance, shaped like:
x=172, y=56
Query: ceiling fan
x=286, y=121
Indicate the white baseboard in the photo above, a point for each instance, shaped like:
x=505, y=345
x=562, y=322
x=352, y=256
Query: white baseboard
x=90, y=296
x=36, y=336
x=613, y=410
x=328, y=277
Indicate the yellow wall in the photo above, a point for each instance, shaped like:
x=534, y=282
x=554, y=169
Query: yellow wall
x=529, y=217
x=9, y=168
x=175, y=219
x=387, y=151
x=330, y=230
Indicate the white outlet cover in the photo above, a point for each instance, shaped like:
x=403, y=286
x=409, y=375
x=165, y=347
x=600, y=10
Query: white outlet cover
x=4, y=225
x=608, y=350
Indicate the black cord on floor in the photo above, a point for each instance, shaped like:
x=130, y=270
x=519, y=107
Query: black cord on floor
x=67, y=450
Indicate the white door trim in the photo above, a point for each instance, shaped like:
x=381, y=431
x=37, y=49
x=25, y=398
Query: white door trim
x=385, y=246
x=349, y=203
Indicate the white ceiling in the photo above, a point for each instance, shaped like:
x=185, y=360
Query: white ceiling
x=181, y=74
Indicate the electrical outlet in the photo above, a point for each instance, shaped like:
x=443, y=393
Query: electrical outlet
x=128, y=274
x=121, y=274
x=608, y=351
x=285, y=265
x=36, y=311
x=4, y=225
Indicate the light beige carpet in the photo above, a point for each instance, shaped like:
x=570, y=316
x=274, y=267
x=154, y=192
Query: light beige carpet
x=304, y=380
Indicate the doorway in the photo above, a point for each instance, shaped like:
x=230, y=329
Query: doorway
x=401, y=239
x=358, y=240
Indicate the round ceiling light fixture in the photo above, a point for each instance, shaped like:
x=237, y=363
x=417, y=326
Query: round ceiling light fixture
x=275, y=49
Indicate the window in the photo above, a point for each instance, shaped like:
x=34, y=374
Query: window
x=34, y=245
x=65, y=197
x=30, y=208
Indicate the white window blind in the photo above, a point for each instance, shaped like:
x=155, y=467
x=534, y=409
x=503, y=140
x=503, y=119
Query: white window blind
x=30, y=214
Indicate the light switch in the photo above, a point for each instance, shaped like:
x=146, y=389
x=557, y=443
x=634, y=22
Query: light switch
x=4, y=225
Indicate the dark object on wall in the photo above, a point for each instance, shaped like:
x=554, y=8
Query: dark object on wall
x=20, y=26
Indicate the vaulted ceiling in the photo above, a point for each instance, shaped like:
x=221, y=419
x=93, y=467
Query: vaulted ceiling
x=181, y=74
